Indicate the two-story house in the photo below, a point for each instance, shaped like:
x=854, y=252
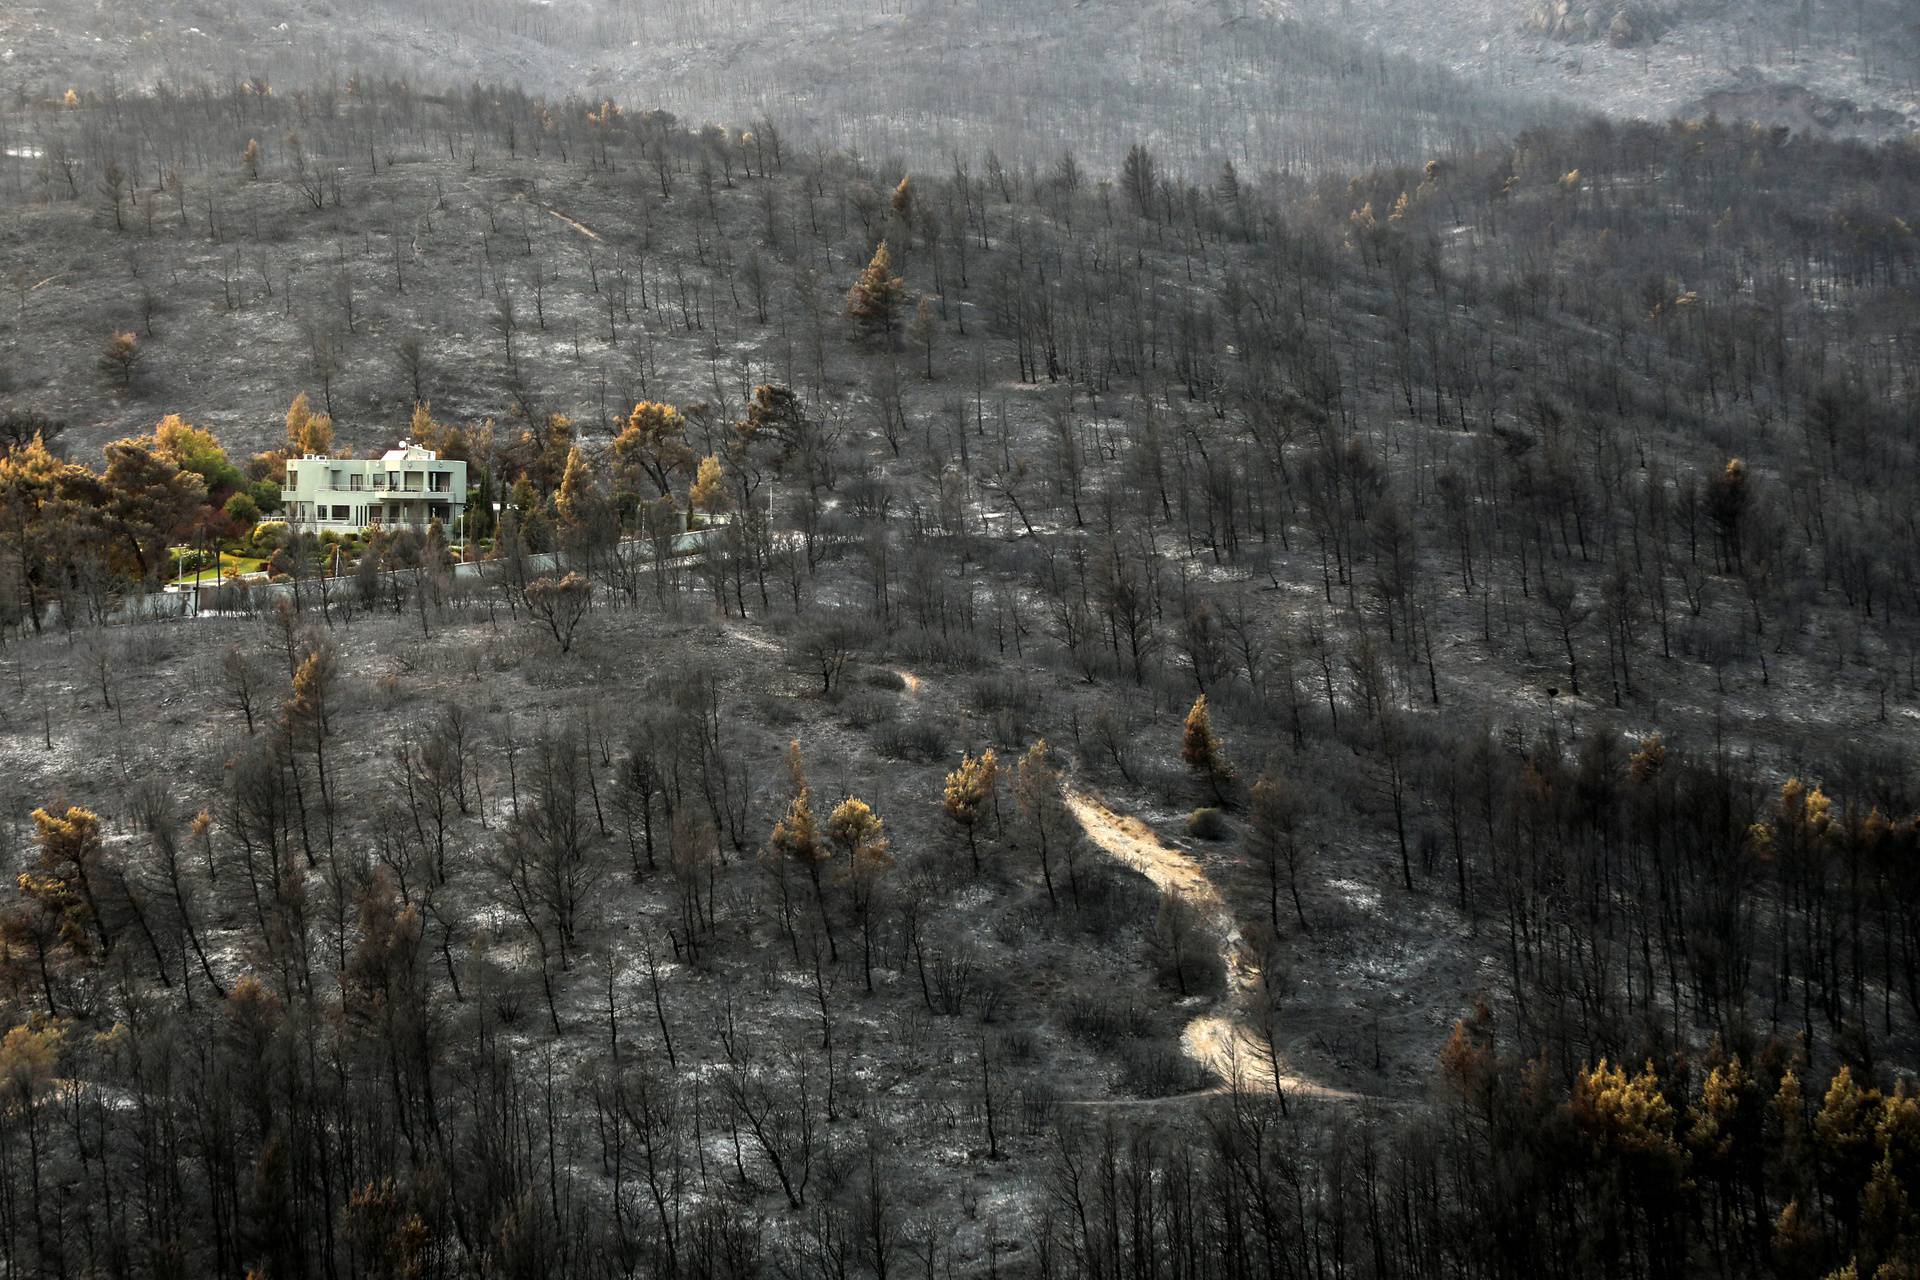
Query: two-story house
x=408, y=486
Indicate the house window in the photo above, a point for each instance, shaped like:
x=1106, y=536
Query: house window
x=342, y=514
x=379, y=479
x=356, y=482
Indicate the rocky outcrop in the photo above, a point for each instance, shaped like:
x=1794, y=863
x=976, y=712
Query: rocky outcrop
x=1622, y=26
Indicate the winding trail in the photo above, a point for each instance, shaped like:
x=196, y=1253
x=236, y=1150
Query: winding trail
x=1221, y=1041
x=581, y=227
x=575, y=223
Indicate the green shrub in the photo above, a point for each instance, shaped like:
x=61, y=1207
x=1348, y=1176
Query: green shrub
x=267, y=537
x=185, y=562
x=243, y=510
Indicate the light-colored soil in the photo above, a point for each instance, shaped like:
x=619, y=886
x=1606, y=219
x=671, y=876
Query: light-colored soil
x=1222, y=1041
x=575, y=223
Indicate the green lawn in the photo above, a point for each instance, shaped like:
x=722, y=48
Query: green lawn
x=231, y=565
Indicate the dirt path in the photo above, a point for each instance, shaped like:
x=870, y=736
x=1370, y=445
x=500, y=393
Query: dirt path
x=577, y=225
x=1220, y=1041
x=581, y=227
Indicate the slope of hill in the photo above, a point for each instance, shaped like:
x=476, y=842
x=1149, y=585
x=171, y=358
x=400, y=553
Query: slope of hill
x=1203, y=82
x=1829, y=67
x=1266, y=83
x=1457, y=625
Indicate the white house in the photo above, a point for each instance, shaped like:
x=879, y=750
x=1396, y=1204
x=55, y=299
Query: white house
x=408, y=486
